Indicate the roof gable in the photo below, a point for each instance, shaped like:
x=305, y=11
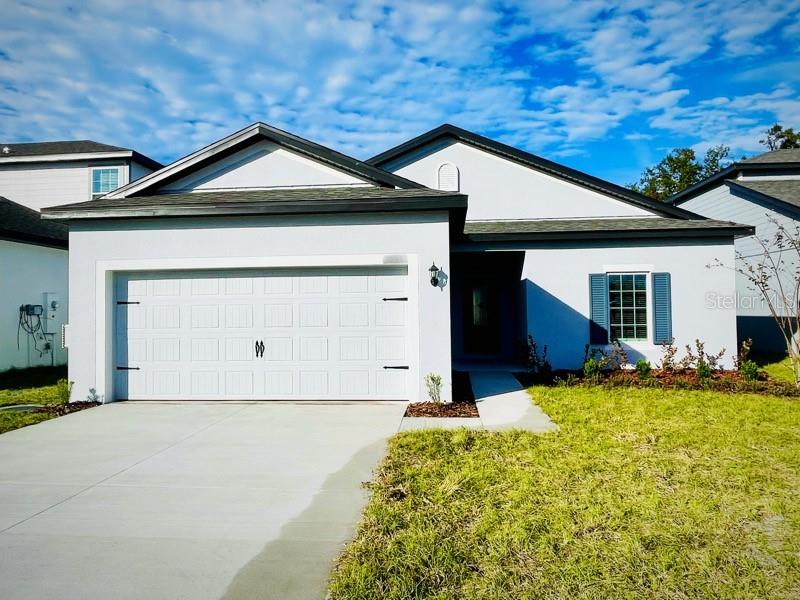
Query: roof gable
x=399, y=156
x=28, y=152
x=203, y=161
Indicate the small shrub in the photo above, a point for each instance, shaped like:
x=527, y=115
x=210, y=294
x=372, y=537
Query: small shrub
x=92, y=396
x=744, y=353
x=591, y=369
x=703, y=370
x=643, y=369
x=64, y=390
x=612, y=360
x=537, y=364
x=570, y=380
x=433, y=383
x=669, y=351
x=749, y=370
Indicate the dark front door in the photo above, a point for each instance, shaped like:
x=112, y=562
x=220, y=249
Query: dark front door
x=481, y=315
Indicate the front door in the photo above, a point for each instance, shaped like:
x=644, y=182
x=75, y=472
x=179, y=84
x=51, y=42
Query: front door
x=481, y=327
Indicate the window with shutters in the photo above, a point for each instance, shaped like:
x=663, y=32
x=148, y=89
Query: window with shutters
x=627, y=303
x=448, y=177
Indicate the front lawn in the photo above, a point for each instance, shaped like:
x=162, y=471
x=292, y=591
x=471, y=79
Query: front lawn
x=641, y=493
x=28, y=386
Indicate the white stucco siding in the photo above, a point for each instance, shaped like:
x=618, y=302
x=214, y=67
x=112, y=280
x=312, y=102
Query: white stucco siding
x=740, y=207
x=556, y=293
x=26, y=273
x=500, y=189
x=38, y=185
x=98, y=249
x=262, y=165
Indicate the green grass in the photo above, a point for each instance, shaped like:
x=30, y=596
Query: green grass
x=776, y=367
x=640, y=494
x=28, y=386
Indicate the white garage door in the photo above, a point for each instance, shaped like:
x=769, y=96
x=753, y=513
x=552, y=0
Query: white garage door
x=278, y=334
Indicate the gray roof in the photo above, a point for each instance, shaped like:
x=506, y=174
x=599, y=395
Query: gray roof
x=600, y=228
x=23, y=224
x=269, y=201
x=63, y=147
x=31, y=150
x=785, y=190
x=790, y=155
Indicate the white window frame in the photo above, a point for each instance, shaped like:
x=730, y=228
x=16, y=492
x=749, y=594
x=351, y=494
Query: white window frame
x=120, y=181
x=647, y=299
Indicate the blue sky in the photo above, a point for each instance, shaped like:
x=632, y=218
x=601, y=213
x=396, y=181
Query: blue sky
x=606, y=87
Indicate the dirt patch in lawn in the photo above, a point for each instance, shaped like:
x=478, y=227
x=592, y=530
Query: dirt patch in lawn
x=59, y=410
x=463, y=404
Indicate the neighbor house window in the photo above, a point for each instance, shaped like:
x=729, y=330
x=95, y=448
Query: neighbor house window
x=627, y=303
x=104, y=180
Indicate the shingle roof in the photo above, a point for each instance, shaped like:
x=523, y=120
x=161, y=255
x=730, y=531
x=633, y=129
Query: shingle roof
x=600, y=228
x=789, y=155
x=62, y=147
x=532, y=161
x=269, y=201
x=785, y=190
x=20, y=223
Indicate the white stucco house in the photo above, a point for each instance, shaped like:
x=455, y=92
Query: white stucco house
x=762, y=191
x=33, y=252
x=265, y=266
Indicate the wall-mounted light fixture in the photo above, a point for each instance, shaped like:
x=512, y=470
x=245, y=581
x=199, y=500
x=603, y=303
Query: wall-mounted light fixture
x=434, y=271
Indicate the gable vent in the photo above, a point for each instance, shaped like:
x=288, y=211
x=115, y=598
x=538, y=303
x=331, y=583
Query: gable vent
x=448, y=178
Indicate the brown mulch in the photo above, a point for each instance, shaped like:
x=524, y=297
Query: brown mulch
x=454, y=409
x=59, y=410
x=463, y=404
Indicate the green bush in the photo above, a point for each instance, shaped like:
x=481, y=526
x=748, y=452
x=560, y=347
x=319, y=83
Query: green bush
x=643, y=369
x=591, y=369
x=749, y=370
x=64, y=390
x=703, y=370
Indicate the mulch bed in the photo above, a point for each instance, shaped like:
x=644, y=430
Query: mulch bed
x=59, y=410
x=463, y=404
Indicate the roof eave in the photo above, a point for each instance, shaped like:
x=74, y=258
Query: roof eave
x=424, y=204
x=646, y=234
x=36, y=240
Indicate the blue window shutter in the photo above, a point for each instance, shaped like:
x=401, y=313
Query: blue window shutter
x=598, y=308
x=662, y=308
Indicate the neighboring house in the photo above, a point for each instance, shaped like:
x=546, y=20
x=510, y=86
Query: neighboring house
x=33, y=253
x=265, y=266
x=760, y=191
x=33, y=271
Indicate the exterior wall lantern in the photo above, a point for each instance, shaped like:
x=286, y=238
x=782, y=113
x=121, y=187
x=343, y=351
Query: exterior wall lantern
x=434, y=271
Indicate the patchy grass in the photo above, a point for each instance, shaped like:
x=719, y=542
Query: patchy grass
x=776, y=367
x=640, y=494
x=29, y=386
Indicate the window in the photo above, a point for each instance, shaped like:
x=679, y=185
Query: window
x=104, y=180
x=627, y=302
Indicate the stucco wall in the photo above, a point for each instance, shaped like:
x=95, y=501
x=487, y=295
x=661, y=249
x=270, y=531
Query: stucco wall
x=26, y=272
x=197, y=242
x=501, y=189
x=556, y=291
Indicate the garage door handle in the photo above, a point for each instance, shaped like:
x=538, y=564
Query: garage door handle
x=395, y=299
x=127, y=368
x=404, y=367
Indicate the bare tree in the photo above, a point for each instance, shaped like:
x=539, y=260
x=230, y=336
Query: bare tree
x=774, y=272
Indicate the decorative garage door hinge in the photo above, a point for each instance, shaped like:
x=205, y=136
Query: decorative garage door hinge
x=127, y=368
x=127, y=302
x=395, y=299
x=404, y=367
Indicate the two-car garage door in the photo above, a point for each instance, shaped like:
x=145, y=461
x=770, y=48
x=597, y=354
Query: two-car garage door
x=334, y=333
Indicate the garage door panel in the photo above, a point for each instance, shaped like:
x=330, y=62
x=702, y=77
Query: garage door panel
x=326, y=333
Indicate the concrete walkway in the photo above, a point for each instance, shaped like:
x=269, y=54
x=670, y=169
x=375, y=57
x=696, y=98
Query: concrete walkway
x=194, y=500
x=504, y=404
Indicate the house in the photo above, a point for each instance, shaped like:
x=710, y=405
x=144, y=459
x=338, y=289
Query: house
x=762, y=191
x=33, y=252
x=265, y=266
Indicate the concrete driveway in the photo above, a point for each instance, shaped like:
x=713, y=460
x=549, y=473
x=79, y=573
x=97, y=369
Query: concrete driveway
x=157, y=500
